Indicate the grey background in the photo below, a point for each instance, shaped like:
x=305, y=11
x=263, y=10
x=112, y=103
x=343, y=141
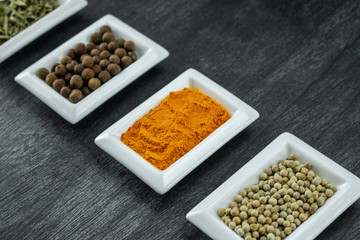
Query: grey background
x=295, y=62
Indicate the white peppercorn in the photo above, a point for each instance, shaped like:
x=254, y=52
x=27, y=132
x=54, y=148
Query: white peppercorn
x=303, y=217
x=283, y=173
x=286, y=223
x=290, y=218
x=297, y=222
x=236, y=220
x=329, y=192
x=248, y=237
x=270, y=236
x=268, y=171
x=232, y=225
x=233, y=204
x=234, y=212
x=243, y=208
x=240, y=232
x=261, y=219
x=270, y=229
x=243, y=215
x=316, y=181
x=255, y=234
x=227, y=221
x=277, y=185
x=246, y=227
x=221, y=212
x=320, y=201
x=250, y=195
x=263, y=176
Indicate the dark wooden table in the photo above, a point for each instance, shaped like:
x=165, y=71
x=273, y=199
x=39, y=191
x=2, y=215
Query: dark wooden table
x=295, y=62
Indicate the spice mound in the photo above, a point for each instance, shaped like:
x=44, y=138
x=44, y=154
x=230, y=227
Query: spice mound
x=86, y=67
x=181, y=121
x=287, y=194
x=18, y=15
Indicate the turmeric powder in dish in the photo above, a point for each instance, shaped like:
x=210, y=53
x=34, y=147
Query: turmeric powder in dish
x=181, y=121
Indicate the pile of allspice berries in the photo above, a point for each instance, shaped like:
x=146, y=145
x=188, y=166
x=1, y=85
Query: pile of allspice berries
x=287, y=194
x=87, y=67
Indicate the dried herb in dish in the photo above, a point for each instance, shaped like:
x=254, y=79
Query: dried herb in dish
x=16, y=15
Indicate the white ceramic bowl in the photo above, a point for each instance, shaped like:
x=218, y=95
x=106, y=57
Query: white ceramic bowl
x=161, y=181
x=205, y=217
x=149, y=54
x=66, y=9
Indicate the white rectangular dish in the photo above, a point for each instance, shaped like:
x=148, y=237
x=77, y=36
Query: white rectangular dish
x=241, y=114
x=66, y=9
x=149, y=54
x=205, y=217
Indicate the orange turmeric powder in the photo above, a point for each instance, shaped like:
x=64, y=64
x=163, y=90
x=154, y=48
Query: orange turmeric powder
x=181, y=121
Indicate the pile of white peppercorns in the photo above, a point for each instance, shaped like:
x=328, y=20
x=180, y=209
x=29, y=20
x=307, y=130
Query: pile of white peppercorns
x=287, y=194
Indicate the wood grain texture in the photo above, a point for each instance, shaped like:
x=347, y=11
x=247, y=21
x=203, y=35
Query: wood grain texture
x=295, y=62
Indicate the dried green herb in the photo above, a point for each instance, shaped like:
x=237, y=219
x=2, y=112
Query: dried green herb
x=19, y=14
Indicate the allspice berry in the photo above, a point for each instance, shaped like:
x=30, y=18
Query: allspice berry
x=90, y=46
x=120, y=52
x=84, y=55
x=78, y=68
x=85, y=67
x=104, y=76
x=65, y=92
x=65, y=60
x=75, y=96
x=126, y=61
x=95, y=52
x=104, y=63
x=58, y=84
x=71, y=53
x=50, y=78
x=94, y=83
x=108, y=37
x=76, y=81
x=70, y=66
x=103, y=46
x=129, y=45
x=121, y=42
x=60, y=70
x=104, y=29
x=85, y=90
x=133, y=56
x=54, y=66
x=96, y=59
x=67, y=77
x=42, y=72
x=105, y=54
x=87, y=74
x=80, y=49
x=96, y=37
x=87, y=61
x=97, y=69
x=112, y=46
x=114, y=59
x=113, y=69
